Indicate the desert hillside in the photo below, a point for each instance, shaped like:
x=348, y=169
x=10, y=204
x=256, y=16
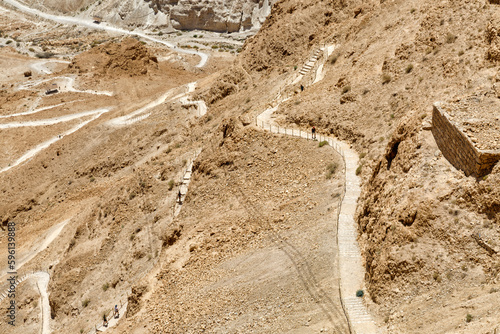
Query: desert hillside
x=188, y=192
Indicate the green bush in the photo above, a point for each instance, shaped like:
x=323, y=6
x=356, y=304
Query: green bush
x=323, y=143
x=450, y=38
x=469, y=317
x=330, y=170
x=105, y=286
x=8, y=42
x=171, y=184
x=360, y=293
x=409, y=68
x=358, y=170
x=85, y=302
x=44, y=55
x=386, y=78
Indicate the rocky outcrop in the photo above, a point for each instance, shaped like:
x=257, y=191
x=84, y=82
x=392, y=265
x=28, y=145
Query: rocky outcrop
x=218, y=15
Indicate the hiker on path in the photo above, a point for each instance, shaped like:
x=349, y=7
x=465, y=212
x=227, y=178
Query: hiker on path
x=313, y=133
x=117, y=313
x=104, y=320
x=301, y=88
x=179, y=196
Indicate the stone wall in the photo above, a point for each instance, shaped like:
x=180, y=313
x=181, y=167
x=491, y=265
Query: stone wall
x=458, y=149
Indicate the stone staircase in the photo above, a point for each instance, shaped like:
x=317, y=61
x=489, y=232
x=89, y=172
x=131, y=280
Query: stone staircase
x=310, y=63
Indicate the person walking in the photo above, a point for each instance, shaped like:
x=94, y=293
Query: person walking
x=117, y=313
x=313, y=133
x=104, y=320
x=179, y=196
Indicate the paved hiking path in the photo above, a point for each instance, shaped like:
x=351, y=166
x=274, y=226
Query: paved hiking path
x=350, y=260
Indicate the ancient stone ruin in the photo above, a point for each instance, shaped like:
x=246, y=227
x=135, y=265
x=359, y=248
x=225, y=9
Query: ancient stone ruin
x=467, y=132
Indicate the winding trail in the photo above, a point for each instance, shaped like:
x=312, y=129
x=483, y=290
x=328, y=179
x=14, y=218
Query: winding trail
x=34, y=111
x=141, y=113
x=350, y=259
x=69, y=20
x=41, y=68
x=42, y=277
x=68, y=86
x=34, y=151
x=51, y=121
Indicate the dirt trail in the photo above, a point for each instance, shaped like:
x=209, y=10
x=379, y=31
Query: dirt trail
x=104, y=26
x=31, y=153
x=42, y=283
x=34, y=111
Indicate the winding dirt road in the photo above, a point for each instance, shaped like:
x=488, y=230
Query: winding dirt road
x=103, y=26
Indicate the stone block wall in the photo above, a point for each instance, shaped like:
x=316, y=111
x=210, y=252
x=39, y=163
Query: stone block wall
x=458, y=149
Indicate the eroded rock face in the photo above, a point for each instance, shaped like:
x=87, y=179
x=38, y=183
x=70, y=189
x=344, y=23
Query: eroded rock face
x=215, y=15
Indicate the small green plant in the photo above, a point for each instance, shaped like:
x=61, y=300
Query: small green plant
x=31, y=50
x=195, y=36
x=392, y=116
x=409, y=68
x=294, y=67
x=92, y=179
x=105, y=286
x=450, y=38
x=469, y=317
x=358, y=170
x=360, y=293
x=85, y=302
x=413, y=10
x=461, y=53
x=8, y=42
x=132, y=237
x=362, y=155
x=44, y=55
x=330, y=170
x=171, y=184
x=323, y=143
x=334, y=59
x=132, y=195
x=215, y=46
x=386, y=78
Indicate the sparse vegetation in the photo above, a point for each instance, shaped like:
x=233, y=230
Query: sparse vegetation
x=330, y=170
x=450, y=38
x=409, y=68
x=386, y=78
x=85, y=302
x=323, y=143
x=468, y=318
x=334, y=58
x=44, y=55
x=105, y=286
x=360, y=293
x=171, y=184
x=358, y=170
